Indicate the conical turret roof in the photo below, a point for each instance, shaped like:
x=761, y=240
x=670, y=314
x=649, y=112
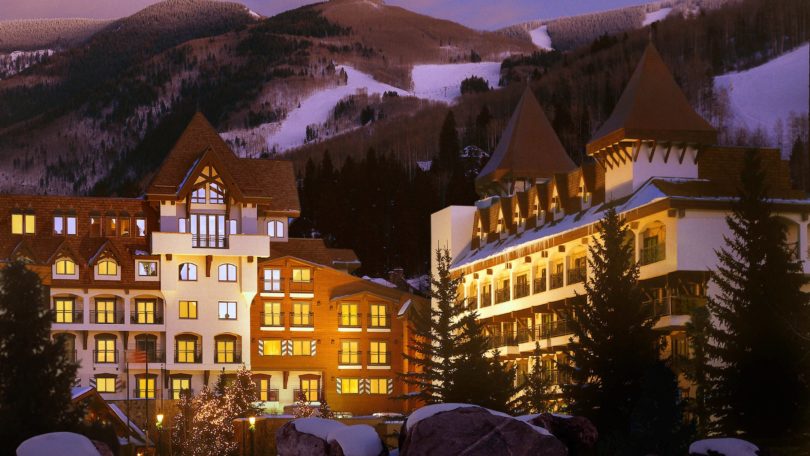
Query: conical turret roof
x=653, y=107
x=529, y=147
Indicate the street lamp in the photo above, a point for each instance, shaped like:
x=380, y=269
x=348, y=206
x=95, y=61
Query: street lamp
x=252, y=422
x=159, y=426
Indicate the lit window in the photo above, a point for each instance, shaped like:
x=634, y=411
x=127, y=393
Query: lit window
x=198, y=195
x=226, y=349
x=105, y=384
x=105, y=311
x=23, y=224
x=301, y=347
x=272, y=280
x=188, y=310
x=188, y=272
x=379, y=316
x=272, y=314
x=348, y=314
x=271, y=347
x=107, y=267
x=310, y=388
x=349, y=385
x=65, y=267
x=147, y=268
x=263, y=385
x=180, y=384
x=216, y=195
x=105, y=350
x=302, y=275
x=275, y=229
x=186, y=350
x=71, y=225
x=124, y=226
x=58, y=225
x=378, y=354
x=145, y=311
x=378, y=385
x=227, y=310
x=140, y=227
x=146, y=387
x=227, y=273
x=301, y=314
x=64, y=310
x=30, y=224
x=349, y=353
x=112, y=226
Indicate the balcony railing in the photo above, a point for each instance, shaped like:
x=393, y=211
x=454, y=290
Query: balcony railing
x=540, y=284
x=107, y=317
x=556, y=280
x=272, y=286
x=501, y=295
x=674, y=305
x=652, y=254
x=228, y=357
x=271, y=395
x=272, y=319
x=308, y=394
x=146, y=318
x=301, y=319
x=154, y=355
x=349, y=358
x=498, y=340
x=349, y=320
x=105, y=356
x=521, y=290
x=188, y=356
x=68, y=317
x=556, y=376
x=486, y=299
x=524, y=335
x=138, y=393
x=554, y=329
x=576, y=275
x=380, y=321
x=301, y=287
x=379, y=358
x=211, y=241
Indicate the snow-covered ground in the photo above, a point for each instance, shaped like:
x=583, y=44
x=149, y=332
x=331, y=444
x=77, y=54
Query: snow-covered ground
x=763, y=95
x=442, y=82
x=540, y=38
x=655, y=16
x=728, y=446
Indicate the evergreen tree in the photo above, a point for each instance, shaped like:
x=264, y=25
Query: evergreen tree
x=450, y=362
x=324, y=411
x=211, y=431
x=757, y=375
x=241, y=395
x=302, y=408
x=36, y=375
x=536, y=394
x=449, y=147
x=695, y=368
x=182, y=424
x=615, y=346
x=800, y=166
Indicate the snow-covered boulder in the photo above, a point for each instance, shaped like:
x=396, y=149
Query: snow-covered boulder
x=473, y=431
x=357, y=440
x=723, y=447
x=57, y=443
x=576, y=432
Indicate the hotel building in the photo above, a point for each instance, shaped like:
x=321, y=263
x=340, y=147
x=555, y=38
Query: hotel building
x=164, y=293
x=522, y=249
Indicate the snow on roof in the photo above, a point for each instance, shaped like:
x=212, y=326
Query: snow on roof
x=319, y=427
x=79, y=391
x=430, y=410
x=357, y=440
x=380, y=281
x=132, y=424
x=729, y=446
x=58, y=443
x=404, y=308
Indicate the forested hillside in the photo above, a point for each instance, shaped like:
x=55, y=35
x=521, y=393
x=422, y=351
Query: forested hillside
x=35, y=34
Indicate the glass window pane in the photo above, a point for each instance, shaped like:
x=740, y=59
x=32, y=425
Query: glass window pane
x=71, y=225
x=58, y=225
x=30, y=224
x=16, y=224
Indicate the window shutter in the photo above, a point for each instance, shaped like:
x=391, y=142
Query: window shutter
x=77, y=382
x=313, y=346
x=390, y=386
x=92, y=382
x=261, y=347
x=286, y=347
x=339, y=385
x=119, y=384
x=365, y=386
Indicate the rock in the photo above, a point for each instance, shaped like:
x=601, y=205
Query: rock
x=723, y=447
x=291, y=442
x=57, y=443
x=357, y=440
x=576, y=432
x=475, y=431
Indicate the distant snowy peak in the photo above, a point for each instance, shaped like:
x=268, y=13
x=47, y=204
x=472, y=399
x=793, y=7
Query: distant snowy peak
x=540, y=38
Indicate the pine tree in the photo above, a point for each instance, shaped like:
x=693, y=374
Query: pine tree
x=302, y=408
x=242, y=394
x=536, y=394
x=757, y=381
x=36, y=375
x=211, y=427
x=615, y=345
x=182, y=424
x=695, y=368
x=324, y=411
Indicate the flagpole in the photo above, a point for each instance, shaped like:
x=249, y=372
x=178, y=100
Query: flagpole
x=129, y=426
x=146, y=418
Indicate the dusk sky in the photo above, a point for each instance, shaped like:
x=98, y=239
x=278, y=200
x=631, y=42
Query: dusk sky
x=481, y=14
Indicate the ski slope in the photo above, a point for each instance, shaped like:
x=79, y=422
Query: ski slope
x=540, y=38
x=655, y=16
x=442, y=82
x=759, y=97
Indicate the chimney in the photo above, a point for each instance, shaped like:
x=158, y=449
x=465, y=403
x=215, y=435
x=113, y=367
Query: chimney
x=397, y=277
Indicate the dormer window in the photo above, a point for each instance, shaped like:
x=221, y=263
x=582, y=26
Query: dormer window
x=65, y=266
x=555, y=203
x=64, y=224
x=107, y=267
x=216, y=195
x=275, y=229
x=23, y=224
x=140, y=226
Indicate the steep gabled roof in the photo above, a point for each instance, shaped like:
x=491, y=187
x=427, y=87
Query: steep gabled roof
x=653, y=107
x=529, y=147
x=267, y=182
x=314, y=251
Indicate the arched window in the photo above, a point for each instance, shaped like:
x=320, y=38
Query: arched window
x=275, y=229
x=107, y=267
x=148, y=343
x=653, y=243
x=65, y=266
x=187, y=349
x=188, y=272
x=227, y=349
x=227, y=273
x=105, y=351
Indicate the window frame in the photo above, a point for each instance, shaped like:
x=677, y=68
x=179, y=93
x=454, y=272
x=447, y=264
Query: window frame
x=272, y=342
x=189, y=305
x=191, y=270
x=106, y=272
x=227, y=315
x=139, y=265
x=64, y=312
x=272, y=281
x=304, y=347
x=228, y=268
x=274, y=227
x=107, y=378
x=376, y=381
x=65, y=261
x=354, y=381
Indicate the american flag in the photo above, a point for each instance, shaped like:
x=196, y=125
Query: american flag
x=136, y=356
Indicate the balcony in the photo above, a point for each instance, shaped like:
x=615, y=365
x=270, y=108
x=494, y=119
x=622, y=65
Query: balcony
x=556, y=376
x=70, y=355
x=188, y=357
x=540, y=284
x=379, y=358
x=521, y=290
x=524, y=335
x=486, y=299
x=152, y=355
x=381, y=321
x=107, y=317
x=68, y=317
x=228, y=357
x=309, y=395
x=498, y=340
x=674, y=305
x=556, y=280
x=349, y=320
x=554, y=329
x=186, y=244
x=144, y=394
x=349, y=358
x=272, y=319
x=577, y=275
x=301, y=320
x=105, y=356
x=146, y=318
x=501, y=295
x=301, y=287
x=271, y=395
x=468, y=304
x=652, y=254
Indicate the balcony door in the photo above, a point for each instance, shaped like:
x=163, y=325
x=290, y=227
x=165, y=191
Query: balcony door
x=208, y=230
